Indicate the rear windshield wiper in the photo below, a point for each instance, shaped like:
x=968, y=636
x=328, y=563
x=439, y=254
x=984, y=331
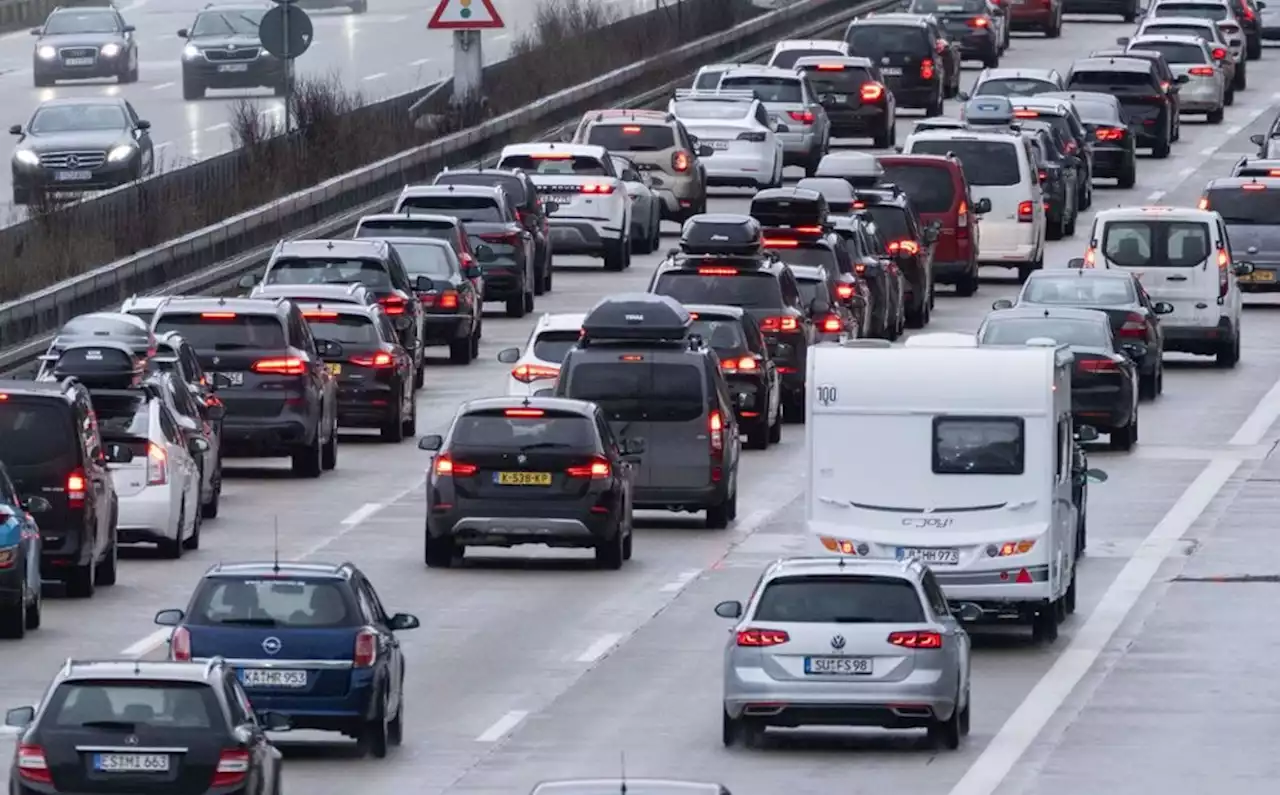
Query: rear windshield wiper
x=119, y=725
x=542, y=446
x=856, y=620
x=249, y=622
x=229, y=346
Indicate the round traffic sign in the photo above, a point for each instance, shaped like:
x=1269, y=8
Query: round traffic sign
x=272, y=31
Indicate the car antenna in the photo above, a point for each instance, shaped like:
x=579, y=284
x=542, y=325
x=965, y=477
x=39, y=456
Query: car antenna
x=622, y=781
x=275, y=547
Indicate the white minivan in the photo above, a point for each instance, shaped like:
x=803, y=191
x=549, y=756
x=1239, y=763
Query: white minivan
x=1000, y=167
x=1182, y=256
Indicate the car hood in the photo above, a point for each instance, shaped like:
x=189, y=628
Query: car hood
x=226, y=41
x=79, y=139
x=80, y=39
x=1255, y=241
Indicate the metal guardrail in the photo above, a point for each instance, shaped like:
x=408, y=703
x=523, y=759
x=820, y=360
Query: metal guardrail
x=214, y=257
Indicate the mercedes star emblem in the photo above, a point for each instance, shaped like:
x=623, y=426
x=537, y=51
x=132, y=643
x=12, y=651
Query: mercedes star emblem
x=73, y=161
x=132, y=739
x=837, y=642
x=271, y=645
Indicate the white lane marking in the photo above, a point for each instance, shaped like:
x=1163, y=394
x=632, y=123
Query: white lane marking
x=162, y=86
x=1233, y=130
x=679, y=583
x=603, y=645
x=347, y=528
x=990, y=769
x=1155, y=196
x=421, y=61
x=220, y=126
x=375, y=76
x=148, y=644
x=501, y=36
x=399, y=18
x=502, y=726
x=363, y=512
x=1186, y=172
x=1208, y=150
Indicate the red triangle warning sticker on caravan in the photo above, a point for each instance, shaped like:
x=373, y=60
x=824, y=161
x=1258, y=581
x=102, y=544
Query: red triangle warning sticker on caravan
x=465, y=15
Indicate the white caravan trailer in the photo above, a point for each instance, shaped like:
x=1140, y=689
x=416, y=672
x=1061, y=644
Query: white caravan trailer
x=955, y=454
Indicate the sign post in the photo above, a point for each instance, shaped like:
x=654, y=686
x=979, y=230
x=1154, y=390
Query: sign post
x=466, y=18
x=286, y=32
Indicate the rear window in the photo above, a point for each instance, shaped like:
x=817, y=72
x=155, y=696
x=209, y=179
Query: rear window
x=551, y=346
x=1015, y=87
x=721, y=334
x=787, y=58
x=978, y=445
x=1214, y=12
x=809, y=290
x=1103, y=79
x=475, y=209
x=1240, y=206
x=1175, y=52
x=1152, y=244
x=122, y=416
x=1079, y=291
x=224, y=331
x=891, y=221
x=493, y=429
x=985, y=163
x=844, y=81
x=574, y=165
x=750, y=290
x=930, y=186
x=344, y=329
x=767, y=89
x=708, y=79
x=272, y=602
x=711, y=110
x=317, y=270
x=1097, y=112
x=422, y=259
x=640, y=390
x=405, y=228
x=631, y=137
x=35, y=432
x=110, y=704
x=1016, y=331
x=848, y=599
x=1178, y=30
x=511, y=186
x=877, y=39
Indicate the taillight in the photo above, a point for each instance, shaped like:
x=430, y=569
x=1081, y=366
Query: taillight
x=904, y=247
x=180, y=645
x=962, y=216
x=378, y=361
x=715, y=428
x=528, y=373
x=233, y=767
x=746, y=364
x=1201, y=71
x=1090, y=257
x=1043, y=175
x=714, y=271
x=845, y=291
x=1224, y=274
x=596, y=188
x=939, y=46
x=762, y=637
x=512, y=239
x=1135, y=325
x=860, y=268
x=680, y=161
x=802, y=116
x=75, y=489
x=1203, y=204
x=393, y=304
x=598, y=469
x=32, y=766
x=157, y=465
x=1097, y=366
x=1219, y=53
x=1026, y=212
x=1248, y=14
x=291, y=365
x=832, y=324
x=779, y=324
x=445, y=300
x=916, y=640
x=446, y=467
x=871, y=92
x=366, y=652
x=1109, y=133
x=926, y=68
x=979, y=22
x=756, y=137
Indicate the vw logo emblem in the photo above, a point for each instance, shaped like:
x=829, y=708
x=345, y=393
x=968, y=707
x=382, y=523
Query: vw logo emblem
x=837, y=642
x=73, y=161
x=884, y=61
x=132, y=739
x=271, y=645
x=522, y=459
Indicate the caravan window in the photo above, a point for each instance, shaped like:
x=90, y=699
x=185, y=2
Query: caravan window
x=978, y=445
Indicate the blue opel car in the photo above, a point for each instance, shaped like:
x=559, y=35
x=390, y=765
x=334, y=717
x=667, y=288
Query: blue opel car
x=19, y=559
x=310, y=641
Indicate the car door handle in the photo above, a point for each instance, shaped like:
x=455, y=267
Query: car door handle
x=1177, y=278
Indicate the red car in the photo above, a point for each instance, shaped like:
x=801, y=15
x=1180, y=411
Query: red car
x=1045, y=15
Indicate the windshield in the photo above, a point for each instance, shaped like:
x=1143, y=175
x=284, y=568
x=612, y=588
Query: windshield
x=225, y=330
x=122, y=416
x=1016, y=331
x=272, y=602
x=720, y=334
x=318, y=270
x=1014, y=87
x=551, y=346
x=1242, y=206
x=228, y=23
x=929, y=186
x=632, y=137
x=1097, y=111
x=985, y=163
x=640, y=390
x=711, y=110
x=35, y=433
x=497, y=431
x=846, y=81
x=809, y=290
x=70, y=118
x=81, y=22
x=1176, y=52
x=785, y=90
x=127, y=705
x=849, y=599
x=1079, y=291
x=1148, y=244
x=345, y=329
x=1214, y=12
x=973, y=446
x=427, y=259
x=876, y=39
x=748, y=289
x=468, y=209
x=572, y=165
x=787, y=58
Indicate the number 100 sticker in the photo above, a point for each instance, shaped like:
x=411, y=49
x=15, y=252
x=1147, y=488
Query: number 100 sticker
x=826, y=394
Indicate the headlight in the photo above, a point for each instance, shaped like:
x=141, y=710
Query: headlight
x=46, y=52
x=27, y=157
x=121, y=152
x=110, y=50
x=190, y=51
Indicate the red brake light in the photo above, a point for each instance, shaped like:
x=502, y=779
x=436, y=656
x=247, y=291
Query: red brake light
x=180, y=645
x=288, y=366
x=860, y=268
x=1253, y=186
x=830, y=67
x=904, y=247
x=979, y=22
x=680, y=161
x=802, y=116
x=631, y=130
x=926, y=67
x=1224, y=278
x=871, y=92
x=75, y=489
x=1248, y=14
x=366, y=651
x=217, y=315
x=779, y=324
x=157, y=465
x=1109, y=133
x=808, y=230
x=744, y=365
x=762, y=637
x=845, y=291
x=1219, y=53
x=598, y=469
x=1043, y=175
x=1201, y=71
x=710, y=271
x=773, y=242
x=233, y=767
x=552, y=156
x=446, y=300
x=832, y=324
x=631, y=357
x=528, y=373
x=597, y=188
x=916, y=640
x=320, y=315
x=1090, y=258
x=1135, y=325
x=32, y=766
x=393, y=304
x=447, y=467
x=1026, y=114
x=525, y=413
x=1097, y=366
x=715, y=427
x=1026, y=211
x=378, y=361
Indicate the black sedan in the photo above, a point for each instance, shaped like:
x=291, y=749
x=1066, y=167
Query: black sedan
x=1104, y=386
x=1135, y=318
x=748, y=368
x=447, y=291
x=1115, y=154
x=84, y=43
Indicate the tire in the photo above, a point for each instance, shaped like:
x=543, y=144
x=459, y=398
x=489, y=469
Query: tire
x=1215, y=116
x=793, y=410
x=1055, y=230
x=1229, y=354
x=1147, y=386
x=1161, y=150
x=730, y=730
x=1025, y=271
x=395, y=729
x=107, y=570
x=359, y=6
x=1253, y=48
x=991, y=61
x=40, y=81
x=1069, y=230
x=718, y=515
x=609, y=552
x=329, y=452
x=419, y=376
x=373, y=739
x=306, y=461
x=392, y=431
x=210, y=509
x=191, y=90
x=1231, y=96
x=758, y=435
x=1044, y=625
x=946, y=734
x=968, y=284
x=82, y=582
x=33, y=612
x=964, y=714
x=1069, y=598
x=173, y=549
x=775, y=431
x=528, y=302
x=410, y=425
x=934, y=108
x=615, y=255
x=1054, y=29
x=13, y=621
x=193, y=540
x=475, y=343
x=515, y=307
x=1128, y=174
x=884, y=140
x=1241, y=81
x=460, y=351
x=1123, y=439
x=628, y=543
x=440, y=552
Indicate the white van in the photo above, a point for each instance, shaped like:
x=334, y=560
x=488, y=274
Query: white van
x=1182, y=256
x=955, y=454
x=999, y=166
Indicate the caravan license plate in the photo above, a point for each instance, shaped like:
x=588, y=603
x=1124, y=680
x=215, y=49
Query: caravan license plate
x=266, y=677
x=891, y=71
x=131, y=763
x=837, y=666
x=522, y=478
x=933, y=556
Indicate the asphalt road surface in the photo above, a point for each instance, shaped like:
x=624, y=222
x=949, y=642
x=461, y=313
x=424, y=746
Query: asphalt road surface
x=532, y=665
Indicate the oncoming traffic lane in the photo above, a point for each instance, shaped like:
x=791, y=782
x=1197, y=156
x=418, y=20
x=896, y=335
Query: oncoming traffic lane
x=528, y=667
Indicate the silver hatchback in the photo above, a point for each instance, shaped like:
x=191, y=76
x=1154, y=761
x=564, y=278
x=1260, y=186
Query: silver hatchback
x=845, y=642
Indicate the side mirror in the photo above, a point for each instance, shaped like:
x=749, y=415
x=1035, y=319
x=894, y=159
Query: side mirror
x=274, y=722
x=550, y=207
x=183, y=33
x=633, y=446
x=249, y=281
x=328, y=349
x=781, y=128
x=143, y=124
x=930, y=235
x=1163, y=308
x=982, y=206
x=170, y=618
x=37, y=31
x=423, y=284
x=1123, y=41
x=1076, y=263
x=484, y=254
x=963, y=96
x=15, y=129
x=472, y=272
x=730, y=609
x=36, y=504
x=705, y=151
x=1086, y=433
x=198, y=445
x=20, y=717
x=1003, y=303
x=244, y=735
x=130, y=29
x=217, y=412
x=1256, y=140
x=1095, y=475
x=402, y=621
x=509, y=355
x=1183, y=79
x=118, y=454
x=630, y=176
x=431, y=443
x=1242, y=268
x=1261, y=6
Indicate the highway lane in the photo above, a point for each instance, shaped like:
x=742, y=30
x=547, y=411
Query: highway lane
x=529, y=667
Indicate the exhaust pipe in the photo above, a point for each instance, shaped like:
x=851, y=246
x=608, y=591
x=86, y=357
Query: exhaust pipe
x=763, y=710
x=912, y=711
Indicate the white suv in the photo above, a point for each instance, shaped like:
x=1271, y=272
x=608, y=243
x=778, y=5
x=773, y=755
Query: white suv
x=1183, y=257
x=538, y=365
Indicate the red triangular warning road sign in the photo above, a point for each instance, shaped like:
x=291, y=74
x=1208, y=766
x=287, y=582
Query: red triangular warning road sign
x=465, y=15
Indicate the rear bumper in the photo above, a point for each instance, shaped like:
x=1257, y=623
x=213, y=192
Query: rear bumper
x=581, y=522
x=995, y=586
x=271, y=436
x=867, y=120
x=916, y=96
x=1109, y=163
x=1011, y=257
x=503, y=281
x=344, y=713
x=1021, y=17
x=1205, y=340
x=18, y=787
x=146, y=517
x=580, y=236
x=1120, y=7
x=1104, y=408
x=1199, y=97
x=367, y=405
x=673, y=498
x=914, y=702
x=444, y=329
x=753, y=403
x=951, y=272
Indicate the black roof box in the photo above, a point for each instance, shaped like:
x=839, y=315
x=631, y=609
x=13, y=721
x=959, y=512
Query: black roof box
x=128, y=329
x=723, y=234
x=633, y=317
x=790, y=207
x=103, y=364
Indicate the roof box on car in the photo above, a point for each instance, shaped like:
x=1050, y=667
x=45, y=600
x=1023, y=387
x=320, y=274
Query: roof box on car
x=988, y=110
x=636, y=317
x=790, y=208
x=100, y=365
x=725, y=235
x=859, y=169
x=837, y=192
x=99, y=327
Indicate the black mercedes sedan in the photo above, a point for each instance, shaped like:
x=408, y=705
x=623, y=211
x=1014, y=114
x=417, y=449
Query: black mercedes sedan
x=79, y=43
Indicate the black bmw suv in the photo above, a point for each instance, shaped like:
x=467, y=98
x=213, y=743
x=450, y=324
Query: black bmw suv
x=145, y=726
x=223, y=50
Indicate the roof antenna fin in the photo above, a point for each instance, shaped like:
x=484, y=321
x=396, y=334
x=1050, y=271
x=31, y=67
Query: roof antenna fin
x=622, y=781
x=275, y=546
